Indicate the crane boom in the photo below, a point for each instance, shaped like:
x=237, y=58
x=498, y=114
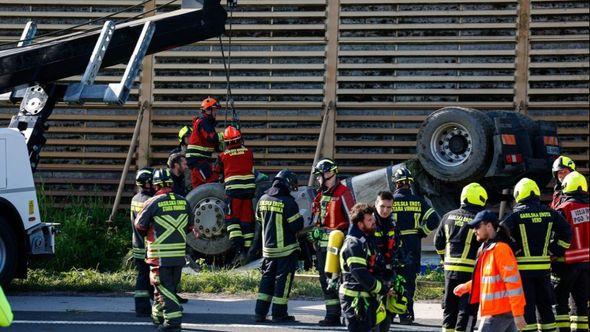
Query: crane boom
x=66, y=56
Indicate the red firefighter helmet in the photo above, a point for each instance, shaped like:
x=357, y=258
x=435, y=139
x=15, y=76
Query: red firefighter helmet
x=209, y=103
x=231, y=134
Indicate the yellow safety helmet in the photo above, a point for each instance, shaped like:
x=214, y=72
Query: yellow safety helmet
x=183, y=132
x=474, y=194
x=574, y=182
x=561, y=163
x=526, y=188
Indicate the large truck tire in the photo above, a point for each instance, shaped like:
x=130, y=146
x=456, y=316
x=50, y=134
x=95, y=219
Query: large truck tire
x=8, y=253
x=208, y=205
x=455, y=144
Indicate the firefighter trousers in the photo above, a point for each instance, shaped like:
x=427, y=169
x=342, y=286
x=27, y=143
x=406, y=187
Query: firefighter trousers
x=202, y=172
x=166, y=309
x=275, y=285
x=240, y=223
x=143, y=289
x=330, y=295
x=539, y=298
x=409, y=272
x=360, y=314
x=574, y=280
x=458, y=314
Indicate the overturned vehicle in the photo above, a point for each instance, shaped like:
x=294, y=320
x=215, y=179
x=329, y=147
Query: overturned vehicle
x=455, y=146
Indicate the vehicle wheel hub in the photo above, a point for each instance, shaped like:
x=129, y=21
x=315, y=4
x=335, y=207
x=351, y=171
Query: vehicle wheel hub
x=451, y=144
x=210, y=217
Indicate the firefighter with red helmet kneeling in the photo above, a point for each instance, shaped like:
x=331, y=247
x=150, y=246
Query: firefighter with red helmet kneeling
x=165, y=221
x=280, y=220
x=236, y=167
x=331, y=209
x=362, y=291
x=143, y=290
x=202, y=142
x=415, y=220
x=571, y=272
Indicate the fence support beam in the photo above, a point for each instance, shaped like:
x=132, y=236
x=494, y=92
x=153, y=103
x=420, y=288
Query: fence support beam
x=330, y=85
x=146, y=99
x=521, y=83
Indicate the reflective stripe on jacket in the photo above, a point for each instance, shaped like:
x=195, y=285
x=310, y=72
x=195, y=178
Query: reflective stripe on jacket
x=165, y=219
x=203, y=141
x=456, y=242
x=278, y=214
x=496, y=283
x=237, y=167
x=412, y=214
x=358, y=250
x=137, y=240
x=538, y=233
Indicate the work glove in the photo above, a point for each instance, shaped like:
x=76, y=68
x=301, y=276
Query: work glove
x=316, y=234
x=333, y=284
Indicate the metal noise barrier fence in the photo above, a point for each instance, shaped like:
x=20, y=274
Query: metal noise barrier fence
x=386, y=64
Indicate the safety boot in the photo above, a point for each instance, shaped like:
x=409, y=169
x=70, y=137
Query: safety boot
x=283, y=319
x=330, y=321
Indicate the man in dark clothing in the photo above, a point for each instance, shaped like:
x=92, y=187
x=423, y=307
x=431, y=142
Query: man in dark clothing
x=456, y=243
x=572, y=272
x=165, y=220
x=362, y=290
x=538, y=233
x=143, y=290
x=178, y=168
x=415, y=219
x=386, y=233
x=278, y=214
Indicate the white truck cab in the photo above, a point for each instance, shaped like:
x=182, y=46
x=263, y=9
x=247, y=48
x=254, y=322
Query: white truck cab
x=22, y=233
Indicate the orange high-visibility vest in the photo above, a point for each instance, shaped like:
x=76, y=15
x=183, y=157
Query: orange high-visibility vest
x=496, y=283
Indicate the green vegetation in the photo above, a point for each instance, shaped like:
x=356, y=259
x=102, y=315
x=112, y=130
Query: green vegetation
x=85, y=240
x=91, y=255
x=225, y=282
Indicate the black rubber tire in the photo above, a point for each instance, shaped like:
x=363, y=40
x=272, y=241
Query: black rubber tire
x=9, y=245
x=480, y=129
x=208, y=247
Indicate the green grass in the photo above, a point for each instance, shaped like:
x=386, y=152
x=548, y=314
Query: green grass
x=91, y=257
x=227, y=282
x=85, y=240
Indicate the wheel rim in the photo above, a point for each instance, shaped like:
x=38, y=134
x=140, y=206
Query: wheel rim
x=2, y=254
x=451, y=144
x=209, y=217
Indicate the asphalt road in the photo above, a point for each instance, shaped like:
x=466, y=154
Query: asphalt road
x=102, y=313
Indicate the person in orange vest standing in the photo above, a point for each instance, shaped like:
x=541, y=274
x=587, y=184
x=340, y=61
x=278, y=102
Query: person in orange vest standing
x=496, y=283
x=571, y=272
x=236, y=165
x=202, y=142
